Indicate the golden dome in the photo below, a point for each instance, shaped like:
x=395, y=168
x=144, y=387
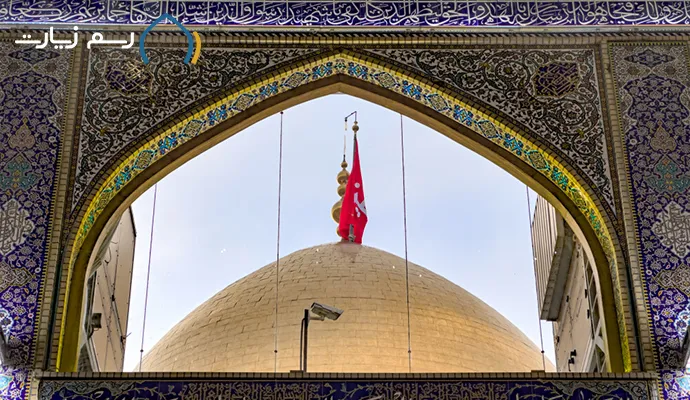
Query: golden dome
x=451, y=330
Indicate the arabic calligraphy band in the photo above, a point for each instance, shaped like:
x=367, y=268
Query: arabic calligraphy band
x=403, y=13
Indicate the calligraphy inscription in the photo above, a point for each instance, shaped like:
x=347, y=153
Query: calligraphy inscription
x=351, y=13
x=310, y=389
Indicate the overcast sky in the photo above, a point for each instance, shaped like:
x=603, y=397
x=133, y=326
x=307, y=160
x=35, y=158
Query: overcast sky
x=216, y=215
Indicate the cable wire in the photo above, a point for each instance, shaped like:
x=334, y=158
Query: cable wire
x=407, y=270
x=280, y=187
x=148, y=276
x=534, y=264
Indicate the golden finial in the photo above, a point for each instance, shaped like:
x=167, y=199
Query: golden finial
x=343, y=175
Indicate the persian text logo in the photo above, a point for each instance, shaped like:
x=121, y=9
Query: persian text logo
x=61, y=44
x=97, y=38
x=192, y=38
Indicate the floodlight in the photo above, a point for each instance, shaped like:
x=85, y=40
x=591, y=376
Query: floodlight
x=322, y=312
x=325, y=311
x=4, y=350
x=685, y=348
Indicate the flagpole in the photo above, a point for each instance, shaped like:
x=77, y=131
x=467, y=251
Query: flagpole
x=355, y=129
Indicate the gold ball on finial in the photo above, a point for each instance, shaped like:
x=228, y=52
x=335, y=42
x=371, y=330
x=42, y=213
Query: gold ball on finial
x=335, y=211
x=355, y=127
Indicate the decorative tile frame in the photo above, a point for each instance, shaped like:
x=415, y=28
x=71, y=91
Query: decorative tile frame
x=367, y=70
x=668, y=280
x=347, y=386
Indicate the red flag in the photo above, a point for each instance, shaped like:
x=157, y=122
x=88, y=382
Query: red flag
x=354, y=211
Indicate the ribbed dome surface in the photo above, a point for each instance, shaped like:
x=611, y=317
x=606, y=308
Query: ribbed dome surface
x=452, y=330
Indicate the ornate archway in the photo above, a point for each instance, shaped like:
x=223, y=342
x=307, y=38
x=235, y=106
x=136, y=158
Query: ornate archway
x=275, y=79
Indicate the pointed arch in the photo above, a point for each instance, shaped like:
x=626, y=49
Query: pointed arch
x=366, y=78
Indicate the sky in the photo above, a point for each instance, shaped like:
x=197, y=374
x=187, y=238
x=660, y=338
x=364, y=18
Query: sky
x=216, y=216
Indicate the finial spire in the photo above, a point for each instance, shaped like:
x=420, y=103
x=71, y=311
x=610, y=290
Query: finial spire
x=342, y=177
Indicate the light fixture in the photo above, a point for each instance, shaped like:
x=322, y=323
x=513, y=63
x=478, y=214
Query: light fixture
x=4, y=350
x=322, y=312
x=685, y=348
x=325, y=311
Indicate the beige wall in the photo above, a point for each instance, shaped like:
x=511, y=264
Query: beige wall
x=111, y=284
x=572, y=331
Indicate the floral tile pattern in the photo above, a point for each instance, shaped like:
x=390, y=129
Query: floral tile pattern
x=652, y=83
x=32, y=94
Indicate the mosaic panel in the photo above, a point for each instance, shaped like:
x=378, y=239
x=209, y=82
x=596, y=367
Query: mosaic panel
x=351, y=13
x=125, y=99
x=32, y=94
x=553, y=93
x=652, y=83
x=448, y=389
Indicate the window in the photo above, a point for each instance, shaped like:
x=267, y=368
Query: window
x=597, y=355
x=90, y=292
x=598, y=360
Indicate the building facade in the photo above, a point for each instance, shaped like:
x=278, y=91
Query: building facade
x=567, y=292
x=586, y=101
x=106, y=307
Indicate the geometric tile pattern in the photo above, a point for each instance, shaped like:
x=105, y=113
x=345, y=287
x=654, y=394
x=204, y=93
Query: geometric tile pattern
x=652, y=84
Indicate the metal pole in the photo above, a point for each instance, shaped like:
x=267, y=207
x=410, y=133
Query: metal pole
x=301, y=344
x=148, y=276
x=306, y=335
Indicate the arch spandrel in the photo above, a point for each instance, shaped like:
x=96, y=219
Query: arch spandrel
x=125, y=102
x=365, y=69
x=552, y=94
